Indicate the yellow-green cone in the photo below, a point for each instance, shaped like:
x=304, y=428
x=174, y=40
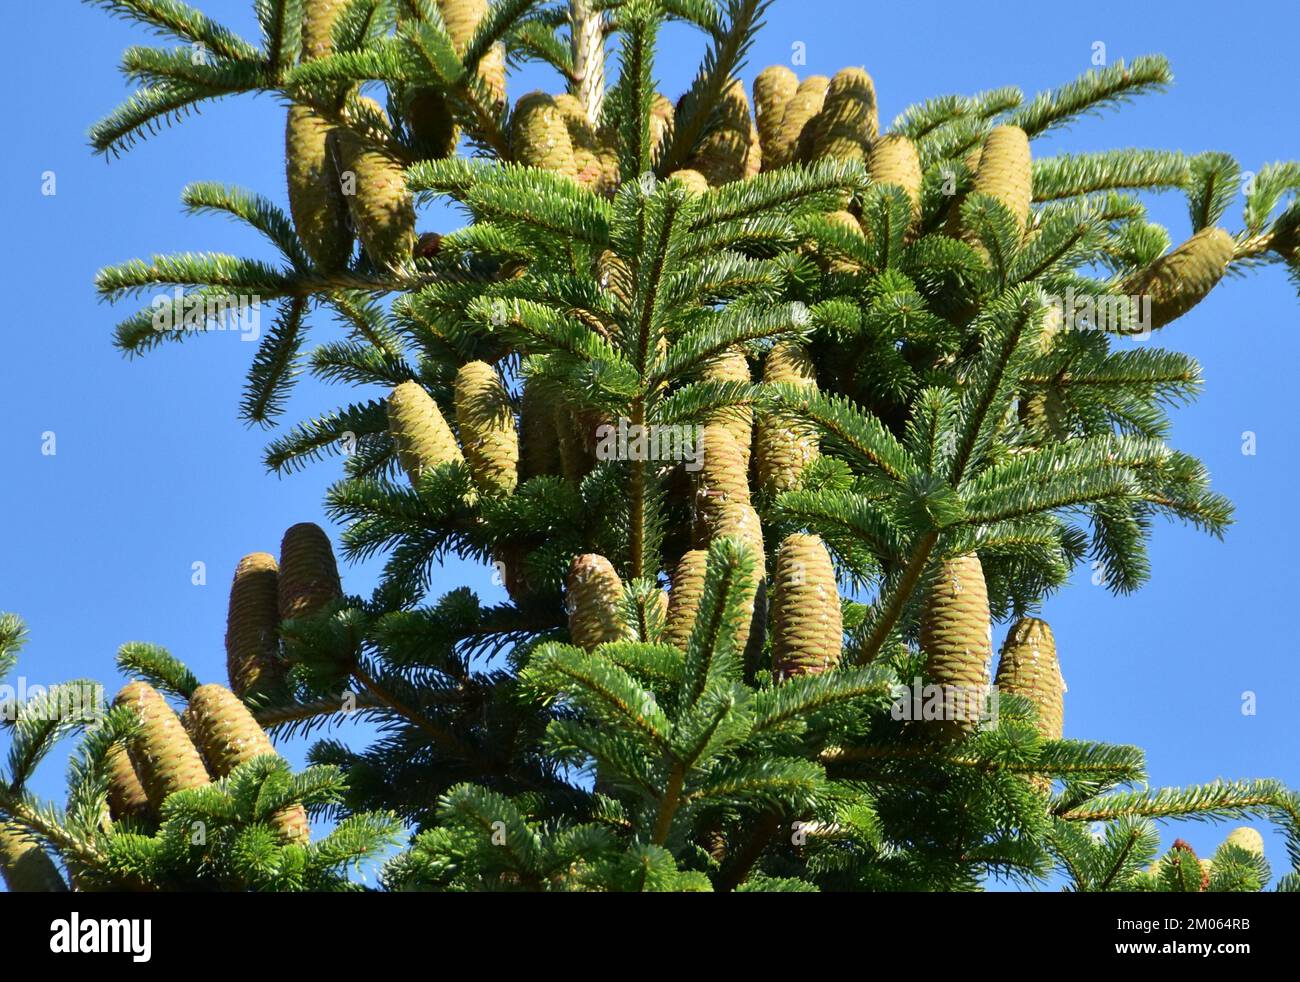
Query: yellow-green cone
x=163, y=755
x=723, y=477
x=1179, y=280
x=309, y=576
x=595, y=602
x=487, y=428
x=587, y=159
x=723, y=155
x=421, y=434
x=316, y=200
x=1005, y=171
x=539, y=443
x=955, y=635
x=684, y=597
x=740, y=521
x=774, y=87
x=126, y=797
x=252, y=621
x=662, y=116
x=733, y=366
x=693, y=180
x=1028, y=667
x=783, y=445
x=383, y=210
x=806, y=103
x=227, y=735
x=894, y=161
x=461, y=18
x=25, y=865
x=1246, y=838
x=848, y=121
x=319, y=19
x=807, y=633
x=539, y=135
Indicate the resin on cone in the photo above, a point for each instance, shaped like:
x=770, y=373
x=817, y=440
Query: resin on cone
x=774, y=87
x=382, y=208
x=806, y=103
x=684, y=597
x=1179, y=280
x=955, y=637
x=1028, y=667
x=162, y=753
x=24, y=864
x=486, y=419
x=227, y=735
x=419, y=431
x=783, y=444
x=807, y=632
x=847, y=123
x=253, y=662
x=539, y=135
x=595, y=602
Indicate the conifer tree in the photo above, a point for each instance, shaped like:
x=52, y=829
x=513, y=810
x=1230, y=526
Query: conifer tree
x=863, y=515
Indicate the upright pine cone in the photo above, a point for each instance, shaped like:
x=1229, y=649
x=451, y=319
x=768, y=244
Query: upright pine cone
x=587, y=150
x=955, y=636
x=848, y=121
x=539, y=135
x=309, y=576
x=662, y=116
x=383, y=210
x=487, y=428
x=733, y=366
x=423, y=438
x=1179, y=280
x=24, y=864
x=684, y=597
x=807, y=632
x=774, y=87
x=539, y=443
x=1028, y=667
x=723, y=155
x=161, y=752
x=252, y=623
x=783, y=445
x=692, y=180
x=227, y=735
x=894, y=161
x=723, y=478
x=1005, y=171
x=595, y=602
x=462, y=19
x=740, y=521
x=316, y=200
x=126, y=797
x=806, y=103
x=1244, y=837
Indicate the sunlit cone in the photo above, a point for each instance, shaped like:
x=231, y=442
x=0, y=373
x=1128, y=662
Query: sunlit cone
x=164, y=757
x=582, y=137
x=1028, y=667
x=253, y=664
x=754, y=162
x=309, y=576
x=319, y=18
x=849, y=223
x=429, y=121
x=1042, y=409
x=693, y=180
x=539, y=135
x=383, y=210
x=486, y=420
x=24, y=864
x=227, y=735
x=1179, y=280
x=316, y=200
x=1246, y=838
x=724, y=471
x=1005, y=171
x=733, y=366
x=774, y=87
x=806, y=103
x=807, y=633
x=723, y=155
x=848, y=122
x=955, y=635
x=126, y=797
x=539, y=443
x=462, y=19
x=784, y=445
x=894, y=161
x=740, y=521
x=684, y=597
x=595, y=602
x=662, y=116
x=423, y=438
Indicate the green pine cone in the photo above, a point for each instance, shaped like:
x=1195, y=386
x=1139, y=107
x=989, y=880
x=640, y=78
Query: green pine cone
x=162, y=753
x=24, y=864
x=802, y=108
x=684, y=597
x=487, y=428
x=807, y=632
x=316, y=200
x=774, y=87
x=595, y=602
x=1179, y=280
x=847, y=123
x=309, y=576
x=733, y=366
x=783, y=445
x=588, y=160
x=319, y=19
x=126, y=797
x=227, y=735
x=662, y=116
x=1005, y=171
x=693, y=180
x=1244, y=837
x=723, y=156
x=253, y=663
x=383, y=210
x=1028, y=667
x=955, y=636
x=539, y=135
x=419, y=431
x=894, y=161
x=539, y=442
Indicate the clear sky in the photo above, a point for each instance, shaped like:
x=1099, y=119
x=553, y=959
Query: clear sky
x=154, y=471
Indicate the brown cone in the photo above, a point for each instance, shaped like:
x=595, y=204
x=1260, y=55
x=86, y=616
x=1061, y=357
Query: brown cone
x=252, y=624
x=807, y=633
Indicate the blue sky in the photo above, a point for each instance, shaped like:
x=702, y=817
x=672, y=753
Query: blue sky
x=154, y=471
